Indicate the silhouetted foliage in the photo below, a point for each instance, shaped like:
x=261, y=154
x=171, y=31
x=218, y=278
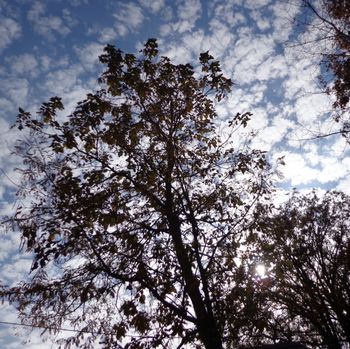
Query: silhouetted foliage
x=307, y=246
x=290, y=345
x=330, y=19
x=134, y=208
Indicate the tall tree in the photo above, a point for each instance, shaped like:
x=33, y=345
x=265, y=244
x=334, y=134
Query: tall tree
x=134, y=207
x=307, y=244
x=329, y=22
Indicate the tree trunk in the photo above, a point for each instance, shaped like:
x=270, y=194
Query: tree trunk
x=206, y=324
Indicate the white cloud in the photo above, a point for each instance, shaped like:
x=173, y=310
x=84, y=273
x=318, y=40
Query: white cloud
x=178, y=54
x=17, y=268
x=14, y=337
x=68, y=18
x=195, y=42
x=107, y=35
x=340, y=147
x=75, y=95
x=259, y=119
x=308, y=108
x=79, y=2
x=5, y=105
x=7, y=247
x=256, y=4
x=310, y=152
x=188, y=12
x=333, y=169
x=297, y=170
x=221, y=38
x=46, y=25
x=45, y=62
x=302, y=78
x=129, y=18
x=227, y=12
x=248, y=54
x=263, y=23
x=10, y=30
x=240, y=101
x=153, y=5
x=23, y=64
x=62, y=81
x=67, y=84
x=283, y=19
x=15, y=89
x=9, y=177
x=344, y=184
x=268, y=136
x=166, y=13
x=271, y=68
x=88, y=54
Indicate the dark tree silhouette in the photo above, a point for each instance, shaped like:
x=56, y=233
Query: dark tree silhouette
x=330, y=21
x=134, y=208
x=307, y=244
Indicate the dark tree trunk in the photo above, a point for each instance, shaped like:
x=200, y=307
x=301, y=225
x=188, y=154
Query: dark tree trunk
x=206, y=324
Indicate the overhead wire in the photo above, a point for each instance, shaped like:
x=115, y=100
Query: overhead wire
x=43, y=327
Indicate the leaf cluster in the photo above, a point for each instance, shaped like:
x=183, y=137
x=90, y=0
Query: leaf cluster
x=134, y=208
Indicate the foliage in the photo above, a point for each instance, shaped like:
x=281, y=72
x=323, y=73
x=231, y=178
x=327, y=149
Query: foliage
x=307, y=245
x=331, y=22
x=134, y=208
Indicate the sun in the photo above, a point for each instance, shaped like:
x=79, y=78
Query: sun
x=260, y=270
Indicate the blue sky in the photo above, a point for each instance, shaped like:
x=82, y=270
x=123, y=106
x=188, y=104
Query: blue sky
x=51, y=47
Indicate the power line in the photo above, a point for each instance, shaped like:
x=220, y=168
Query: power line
x=44, y=327
x=59, y=329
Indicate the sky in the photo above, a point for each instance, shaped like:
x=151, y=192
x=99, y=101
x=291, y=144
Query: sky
x=51, y=48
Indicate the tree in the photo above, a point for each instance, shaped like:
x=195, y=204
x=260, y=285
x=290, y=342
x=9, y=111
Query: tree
x=307, y=245
x=134, y=207
x=330, y=23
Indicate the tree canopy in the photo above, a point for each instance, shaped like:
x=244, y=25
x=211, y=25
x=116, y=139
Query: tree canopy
x=307, y=246
x=329, y=21
x=135, y=207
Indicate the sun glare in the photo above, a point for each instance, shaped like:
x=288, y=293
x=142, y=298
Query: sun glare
x=260, y=270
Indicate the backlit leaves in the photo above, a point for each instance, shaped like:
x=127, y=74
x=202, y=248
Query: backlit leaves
x=139, y=206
